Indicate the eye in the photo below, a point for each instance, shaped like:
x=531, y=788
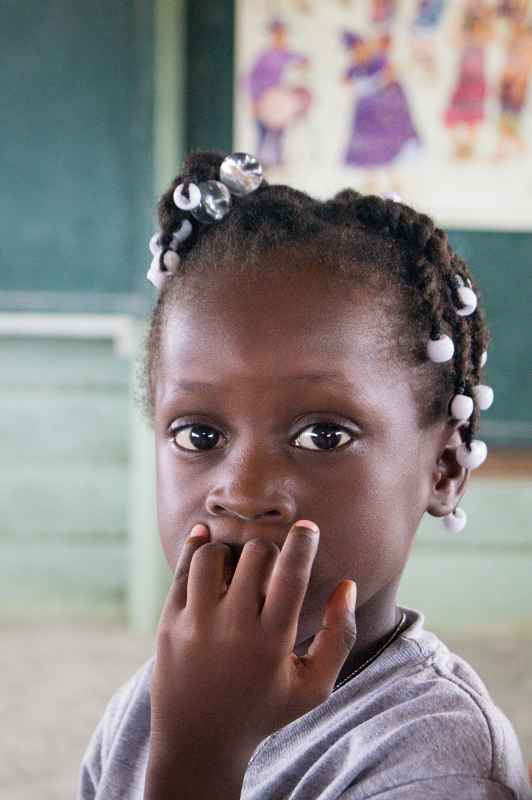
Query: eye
x=324, y=437
x=320, y=436
x=203, y=437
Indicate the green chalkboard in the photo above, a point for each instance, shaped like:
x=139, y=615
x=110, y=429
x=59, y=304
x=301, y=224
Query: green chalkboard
x=76, y=154
x=501, y=263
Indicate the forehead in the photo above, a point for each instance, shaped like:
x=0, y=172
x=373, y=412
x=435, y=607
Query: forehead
x=256, y=330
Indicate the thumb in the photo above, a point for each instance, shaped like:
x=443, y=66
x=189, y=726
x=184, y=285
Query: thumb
x=334, y=641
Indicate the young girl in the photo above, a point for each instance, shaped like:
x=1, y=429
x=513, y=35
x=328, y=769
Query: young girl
x=308, y=364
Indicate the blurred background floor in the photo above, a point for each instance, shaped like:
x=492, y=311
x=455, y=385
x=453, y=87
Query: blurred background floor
x=57, y=680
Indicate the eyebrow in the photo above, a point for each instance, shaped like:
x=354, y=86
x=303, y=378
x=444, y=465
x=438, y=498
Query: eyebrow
x=314, y=377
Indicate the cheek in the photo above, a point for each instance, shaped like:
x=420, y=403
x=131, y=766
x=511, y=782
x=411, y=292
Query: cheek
x=374, y=512
x=174, y=512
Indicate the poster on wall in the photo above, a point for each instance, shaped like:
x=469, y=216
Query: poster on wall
x=426, y=100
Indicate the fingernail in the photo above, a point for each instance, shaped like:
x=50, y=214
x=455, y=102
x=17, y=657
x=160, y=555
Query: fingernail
x=306, y=523
x=351, y=598
x=199, y=532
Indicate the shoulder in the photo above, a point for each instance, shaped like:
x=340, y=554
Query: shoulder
x=126, y=716
x=131, y=700
x=428, y=717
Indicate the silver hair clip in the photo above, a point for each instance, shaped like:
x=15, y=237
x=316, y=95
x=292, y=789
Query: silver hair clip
x=208, y=202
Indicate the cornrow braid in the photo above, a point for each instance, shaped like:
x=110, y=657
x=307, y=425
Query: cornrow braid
x=434, y=268
x=363, y=237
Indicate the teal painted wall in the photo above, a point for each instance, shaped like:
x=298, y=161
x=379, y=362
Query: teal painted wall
x=63, y=479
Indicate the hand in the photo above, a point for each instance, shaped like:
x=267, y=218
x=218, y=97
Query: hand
x=225, y=676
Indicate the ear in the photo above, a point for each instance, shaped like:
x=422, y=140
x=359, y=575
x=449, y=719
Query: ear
x=449, y=479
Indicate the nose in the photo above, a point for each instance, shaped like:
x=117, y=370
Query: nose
x=256, y=510
x=252, y=491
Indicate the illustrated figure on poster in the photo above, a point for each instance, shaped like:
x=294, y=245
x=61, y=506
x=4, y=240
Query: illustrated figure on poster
x=382, y=130
x=277, y=101
x=513, y=90
x=466, y=109
x=307, y=7
x=512, y=10
x=383, y=13
x=428, y=18
x=303, y=6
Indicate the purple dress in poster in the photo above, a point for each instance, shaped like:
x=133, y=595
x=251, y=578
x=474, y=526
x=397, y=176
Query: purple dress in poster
x=275, y=103
x=381, y=126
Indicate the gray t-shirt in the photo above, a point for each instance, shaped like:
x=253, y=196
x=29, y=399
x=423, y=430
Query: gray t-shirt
x=417, y=723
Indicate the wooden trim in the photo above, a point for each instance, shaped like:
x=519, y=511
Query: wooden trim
x=117, y=327
x=503, y=463
x=168, y=88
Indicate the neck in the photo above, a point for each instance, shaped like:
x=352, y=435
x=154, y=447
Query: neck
x=376, y=621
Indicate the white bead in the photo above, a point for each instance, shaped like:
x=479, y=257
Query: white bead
x=392, y=196
x=181, y=234
x=155, y=247
x=483, y=358
x=155, y=275
x=439, y=350
x=469, y=298
x=194, y=197
x=462, y=406
x=171, y=261
x=455, y=521
x=473, y=459
x=483, y=395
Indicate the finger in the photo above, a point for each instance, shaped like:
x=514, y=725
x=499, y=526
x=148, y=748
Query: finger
x=176, y=599
x=206, y=580
x=250, y=581
x=333, y=642
x=289, y=583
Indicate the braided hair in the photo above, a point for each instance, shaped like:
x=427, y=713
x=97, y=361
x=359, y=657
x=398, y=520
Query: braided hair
x=357, y=238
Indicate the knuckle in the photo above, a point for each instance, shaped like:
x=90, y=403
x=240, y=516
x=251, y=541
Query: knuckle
x=350, y=635
x=257, y=543
x=203, y=551
x=164, y=635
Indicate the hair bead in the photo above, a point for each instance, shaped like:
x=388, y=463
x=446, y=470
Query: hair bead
x=469, y=299
x=462, y=406
x=182, y=233
x=194, y=195
x=441, y=349
x=473, y=459
x=483, y=358
x=171, y=261
x=215, y=202
x=392, y=196
x=241, y=173
x=455, y=521
x=155, y=245
x=483, y=395
x=155, y=274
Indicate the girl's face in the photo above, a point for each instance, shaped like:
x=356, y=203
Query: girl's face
x=250, y=370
